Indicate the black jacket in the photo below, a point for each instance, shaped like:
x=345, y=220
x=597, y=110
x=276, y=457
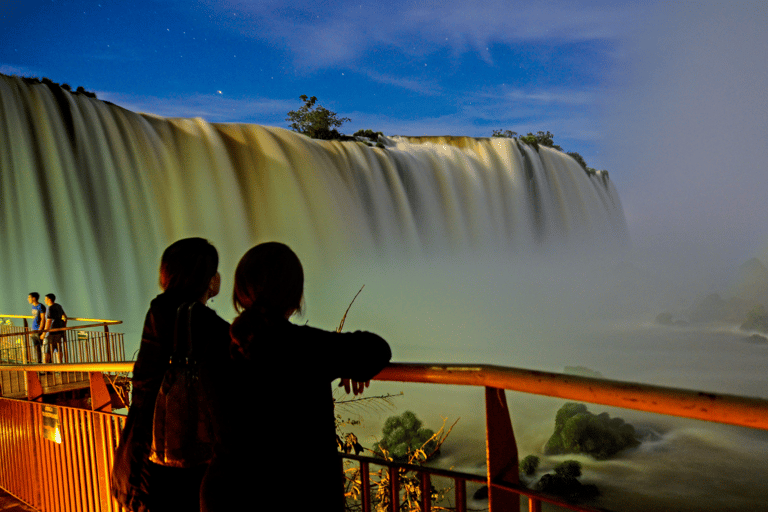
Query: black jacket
x=274, y=416
x=135, y=481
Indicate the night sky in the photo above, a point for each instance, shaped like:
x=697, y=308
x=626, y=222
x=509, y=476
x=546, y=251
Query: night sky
x=669, y=97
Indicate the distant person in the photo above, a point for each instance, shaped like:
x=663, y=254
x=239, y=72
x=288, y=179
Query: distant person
x=188, y=273
x=55, y=318
x=38, y=320
x=273, y=407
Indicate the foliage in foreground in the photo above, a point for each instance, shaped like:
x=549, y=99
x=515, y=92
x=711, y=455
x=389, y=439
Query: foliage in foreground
x=404, y=436
x=409, y=483
x=379, y=481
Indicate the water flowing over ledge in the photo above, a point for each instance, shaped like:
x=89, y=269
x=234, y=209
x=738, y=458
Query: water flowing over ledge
x=91, y=194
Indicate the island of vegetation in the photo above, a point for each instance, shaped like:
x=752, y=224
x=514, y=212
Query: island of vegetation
x=564, y=481
x=579, y=431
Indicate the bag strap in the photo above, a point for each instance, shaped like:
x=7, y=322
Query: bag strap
x=183, y=346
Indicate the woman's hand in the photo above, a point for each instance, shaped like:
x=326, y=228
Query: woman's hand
x=356, y=387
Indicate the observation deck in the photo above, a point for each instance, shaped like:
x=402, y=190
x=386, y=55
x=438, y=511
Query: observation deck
x=89, y=340
x=56, y=457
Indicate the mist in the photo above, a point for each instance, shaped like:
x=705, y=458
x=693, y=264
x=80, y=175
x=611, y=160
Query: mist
x=685, y=139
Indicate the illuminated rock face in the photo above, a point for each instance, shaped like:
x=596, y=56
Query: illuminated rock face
x=92, y=193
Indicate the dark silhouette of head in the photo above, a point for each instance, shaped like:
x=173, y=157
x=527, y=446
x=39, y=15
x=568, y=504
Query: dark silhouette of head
x=270, y=279
x=187, y=267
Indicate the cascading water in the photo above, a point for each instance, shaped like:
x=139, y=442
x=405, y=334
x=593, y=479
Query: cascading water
x=92, y=194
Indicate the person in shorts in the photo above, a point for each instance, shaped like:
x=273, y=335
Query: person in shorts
x=54, y=319
x=38, y=319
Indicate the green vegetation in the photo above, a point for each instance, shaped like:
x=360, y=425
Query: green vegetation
x=404, y=435
x=51, y=84
x=421, y=449
x=371, y=135
x=529, y=465
x=316, y=121
x=541, y=138
x=579, y=159
x=568, y=469
x=579, y=431
x=565, y=484
x=368, y=134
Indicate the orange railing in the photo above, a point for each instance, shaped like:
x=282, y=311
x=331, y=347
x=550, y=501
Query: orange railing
x=91, y=341
x=69, y=475
x=75, y=469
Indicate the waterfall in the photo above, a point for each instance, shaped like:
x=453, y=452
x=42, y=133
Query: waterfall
x=90, y=195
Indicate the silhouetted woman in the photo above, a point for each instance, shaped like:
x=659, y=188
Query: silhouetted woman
x=188, y=273
x=273, y=411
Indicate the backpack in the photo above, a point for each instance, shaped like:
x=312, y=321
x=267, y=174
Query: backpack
x=181, y=431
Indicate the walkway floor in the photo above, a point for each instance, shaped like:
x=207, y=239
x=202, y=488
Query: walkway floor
x=10, y=504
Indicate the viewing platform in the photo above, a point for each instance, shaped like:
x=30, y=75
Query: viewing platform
x=57, y=457
x=88, y=341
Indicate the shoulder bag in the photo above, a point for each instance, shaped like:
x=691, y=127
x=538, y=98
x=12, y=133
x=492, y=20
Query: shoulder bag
x=181, y=433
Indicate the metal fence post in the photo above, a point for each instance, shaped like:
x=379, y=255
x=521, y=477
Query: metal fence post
x=100, y=399
x=27, y=343
x=501, y=452
x=107, y=344
x=34, y=388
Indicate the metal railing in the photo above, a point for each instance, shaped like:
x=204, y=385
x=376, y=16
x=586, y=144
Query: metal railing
x=91, y=341
x=76, y=469
x=80, y=343
x=65, y=472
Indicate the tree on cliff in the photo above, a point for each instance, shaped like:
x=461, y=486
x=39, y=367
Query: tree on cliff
x=542, y=138
x=532, y=139
x=314, y=121
x=509, y=134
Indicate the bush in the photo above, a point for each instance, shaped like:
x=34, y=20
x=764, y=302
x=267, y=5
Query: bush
x=418, y=445
x=404, y=435
x=568, y=469
x=540, y=138
x=529, y=465
x=579, y=431
x=564, y=483
x=368, y=134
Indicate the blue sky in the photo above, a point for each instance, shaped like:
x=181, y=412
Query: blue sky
x=668, y=96
x=402, y=67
